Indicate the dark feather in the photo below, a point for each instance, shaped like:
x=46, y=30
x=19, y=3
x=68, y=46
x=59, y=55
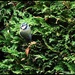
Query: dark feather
x=27, y=37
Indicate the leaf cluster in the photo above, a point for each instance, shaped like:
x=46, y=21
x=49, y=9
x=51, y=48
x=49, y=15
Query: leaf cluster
x=52, y=24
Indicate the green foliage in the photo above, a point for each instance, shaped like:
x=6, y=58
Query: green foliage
x=53, y=26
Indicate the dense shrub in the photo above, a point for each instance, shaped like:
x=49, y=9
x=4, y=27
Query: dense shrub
x=52, y=24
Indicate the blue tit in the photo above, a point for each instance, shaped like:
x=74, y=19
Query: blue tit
x=25, y=32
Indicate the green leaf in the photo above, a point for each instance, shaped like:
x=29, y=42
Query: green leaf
x=73, y=43
x=17, y=72
x=19, y=5
x=40, y=56
x=67, y=37
x=70, y=67
x=59, y=68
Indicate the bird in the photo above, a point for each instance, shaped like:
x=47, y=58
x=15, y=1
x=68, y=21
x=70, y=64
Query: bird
x=25, y=32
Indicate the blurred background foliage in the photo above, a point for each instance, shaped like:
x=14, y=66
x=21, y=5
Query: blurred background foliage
x=52, y=24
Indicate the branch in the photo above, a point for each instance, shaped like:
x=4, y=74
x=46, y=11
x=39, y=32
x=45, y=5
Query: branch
x=49, y=47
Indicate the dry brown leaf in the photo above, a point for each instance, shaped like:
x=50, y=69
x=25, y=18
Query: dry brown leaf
x=32, y=43
x=27, y=51
x=22, y=59
x=28, y=48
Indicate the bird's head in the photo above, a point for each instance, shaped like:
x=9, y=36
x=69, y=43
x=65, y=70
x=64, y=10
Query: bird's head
x=24, y=26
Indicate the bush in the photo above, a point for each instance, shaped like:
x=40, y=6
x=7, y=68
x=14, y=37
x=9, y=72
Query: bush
x=52, y=24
